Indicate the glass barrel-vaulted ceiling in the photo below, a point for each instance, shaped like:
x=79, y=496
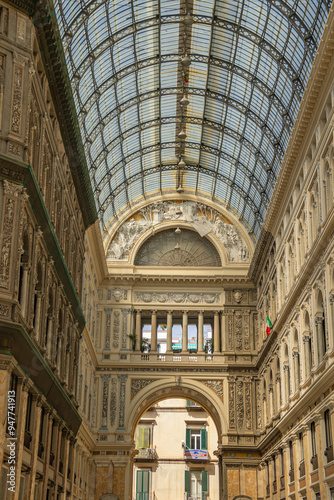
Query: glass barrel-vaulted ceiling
x=250, y=61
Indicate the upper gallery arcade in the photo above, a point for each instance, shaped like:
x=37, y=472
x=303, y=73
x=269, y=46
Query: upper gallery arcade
x=166, y=187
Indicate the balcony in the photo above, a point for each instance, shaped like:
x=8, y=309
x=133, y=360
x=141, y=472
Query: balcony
x=147, y=454
x=314, y=462
x=292, y=475
x=329, y=454
x=197, y=455
x=302, y=469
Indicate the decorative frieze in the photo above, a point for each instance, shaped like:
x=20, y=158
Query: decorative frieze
x=248, y=405
x=139, y=384
x=125, y=313
x=258, y=406
x=231, y=403
x=122, y=396
x=216, y=386
x=238, y=331
x=117, y=294
x=178, y=298
x=230, y=332
x=116, y=328
x=107, y=329
x=17, y=99
x=113, y=401
x=104, y=409
x=240, y=404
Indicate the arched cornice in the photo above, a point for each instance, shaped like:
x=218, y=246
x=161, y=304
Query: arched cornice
x=178, y=387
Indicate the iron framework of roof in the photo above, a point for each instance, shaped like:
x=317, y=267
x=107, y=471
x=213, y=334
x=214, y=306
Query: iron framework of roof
x=250, y=61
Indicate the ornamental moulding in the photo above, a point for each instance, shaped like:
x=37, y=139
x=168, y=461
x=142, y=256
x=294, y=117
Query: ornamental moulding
x=202, y=218
x=216, y=386
x=178, y=298
x=139, y=384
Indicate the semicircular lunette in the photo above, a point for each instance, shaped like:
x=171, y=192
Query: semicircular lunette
x=202, y=218
x=185, y=248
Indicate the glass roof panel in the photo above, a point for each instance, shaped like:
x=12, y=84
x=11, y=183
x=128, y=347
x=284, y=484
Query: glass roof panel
x=250, y=61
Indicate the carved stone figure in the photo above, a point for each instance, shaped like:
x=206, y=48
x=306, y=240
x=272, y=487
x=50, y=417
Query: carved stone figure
x=202, y=218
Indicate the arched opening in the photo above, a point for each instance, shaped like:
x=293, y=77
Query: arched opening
x=175, y=441
x=190, y=420
x=286, y=368
x=38, y=300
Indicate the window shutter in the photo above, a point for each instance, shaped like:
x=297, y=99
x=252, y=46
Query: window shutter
x=188, y=434
x=146, y=437
x=187, y=481
x=140, y=438
x=146, y=481
x=204, y=475
x=139, y=483
x=204, y=445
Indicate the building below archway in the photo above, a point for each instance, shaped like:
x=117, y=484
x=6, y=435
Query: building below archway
x=174, y=241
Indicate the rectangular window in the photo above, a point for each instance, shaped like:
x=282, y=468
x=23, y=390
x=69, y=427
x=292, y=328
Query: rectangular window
x=301, y=447
x=196, y=439
x=142, y=485
x=313, y=439
x=328, y=429
x=195, y=484
x=291, y=455
x=192, y=336
x=143, y=437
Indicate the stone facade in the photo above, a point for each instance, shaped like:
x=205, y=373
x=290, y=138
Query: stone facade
x=73, y=308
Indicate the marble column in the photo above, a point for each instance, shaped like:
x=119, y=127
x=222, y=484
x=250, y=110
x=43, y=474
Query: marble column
x=169, y=330
x=138, y=330
x=37, y=407
x=185, y=331
x=200, y=332
x=154, y=331
x=216, y=337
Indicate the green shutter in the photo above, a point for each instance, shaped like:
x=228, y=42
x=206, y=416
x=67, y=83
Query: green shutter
x=146, y=481
x=204, y=475
x=146, y=437
x=140, y=438
x=204, y=445
x=142, y=484
x=187, y=481
x=188, y=436
x=188, y=402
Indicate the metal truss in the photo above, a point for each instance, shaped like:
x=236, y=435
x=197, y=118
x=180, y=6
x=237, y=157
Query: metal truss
x=212, y=173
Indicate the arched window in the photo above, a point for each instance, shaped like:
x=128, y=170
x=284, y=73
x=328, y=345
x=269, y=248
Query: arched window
x=307, y=342
x=24, y=274
x=296, y=360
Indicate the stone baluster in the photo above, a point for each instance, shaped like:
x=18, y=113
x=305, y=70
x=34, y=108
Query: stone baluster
x=154, y=331
x=185, y=331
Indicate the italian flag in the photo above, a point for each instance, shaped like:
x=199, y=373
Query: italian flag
x=268, y=326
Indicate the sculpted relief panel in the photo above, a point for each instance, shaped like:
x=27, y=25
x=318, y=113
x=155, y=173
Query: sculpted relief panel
x=202, y=218
x=178, y=298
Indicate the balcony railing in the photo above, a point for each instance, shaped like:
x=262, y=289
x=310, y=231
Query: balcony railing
x=302, y=469
x=292, y=475
x=329, y=454
x=147, y=454
x=314, y=462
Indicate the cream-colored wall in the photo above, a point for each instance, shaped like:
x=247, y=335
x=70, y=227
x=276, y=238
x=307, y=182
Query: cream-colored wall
x=169, y=421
